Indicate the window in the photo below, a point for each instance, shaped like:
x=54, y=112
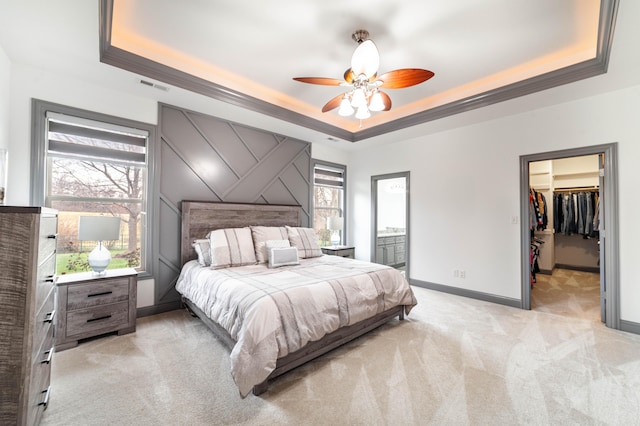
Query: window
x=94, y=167
x=329, y=191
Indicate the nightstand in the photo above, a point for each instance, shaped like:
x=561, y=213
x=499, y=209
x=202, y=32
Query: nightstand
x=90, y=305
x=342, y=251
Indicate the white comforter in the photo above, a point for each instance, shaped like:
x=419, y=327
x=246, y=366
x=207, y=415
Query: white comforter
x=273, y=312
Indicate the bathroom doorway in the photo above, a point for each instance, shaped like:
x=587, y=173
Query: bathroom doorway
x=390, y=220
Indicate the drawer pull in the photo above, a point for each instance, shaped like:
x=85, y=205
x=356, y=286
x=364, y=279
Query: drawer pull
x=104, y=293
x=99, y=318
x=49, y=354
x=49, y=316
x=45, y=401
x=52, y=236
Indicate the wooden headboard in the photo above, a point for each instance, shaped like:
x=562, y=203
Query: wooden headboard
x=200, y=217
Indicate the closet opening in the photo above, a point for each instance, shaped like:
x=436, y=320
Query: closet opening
x=569, y=230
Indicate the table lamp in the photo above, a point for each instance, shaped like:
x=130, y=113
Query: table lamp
x=99, y=229
x=334, y=223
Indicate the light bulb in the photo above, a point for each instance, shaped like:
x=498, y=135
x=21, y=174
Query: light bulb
x=376, y=103
x=345, y=107
x=358, y=99
x=363, y=112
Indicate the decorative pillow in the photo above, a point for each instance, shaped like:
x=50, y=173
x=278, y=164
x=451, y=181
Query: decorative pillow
x=282, y=256
x=231, y=247
x=203, y=250
x=262, y=234
x=305, y=240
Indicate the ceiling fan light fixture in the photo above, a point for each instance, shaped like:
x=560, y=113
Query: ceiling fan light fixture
x=345, y=107
x=358, y=98
x=376, y=104
x=363, y=113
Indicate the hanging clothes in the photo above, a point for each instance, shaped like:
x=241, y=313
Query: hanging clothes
x=576, y=213
x=538, y=219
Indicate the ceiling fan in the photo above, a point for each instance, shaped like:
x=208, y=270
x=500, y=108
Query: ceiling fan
x=365, y=83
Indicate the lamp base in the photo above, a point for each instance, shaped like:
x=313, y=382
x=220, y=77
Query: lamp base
x=335, y=238
x=99, y=259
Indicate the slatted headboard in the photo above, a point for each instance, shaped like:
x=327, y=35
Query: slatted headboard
x=200, y=217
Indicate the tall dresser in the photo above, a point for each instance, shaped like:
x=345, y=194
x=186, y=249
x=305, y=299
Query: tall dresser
x=27, y=311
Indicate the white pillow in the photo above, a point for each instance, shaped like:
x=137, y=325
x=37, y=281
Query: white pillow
x=283, y=256
x=231, y=247
x=203, y=250
x=262, y=234
x=306, y=240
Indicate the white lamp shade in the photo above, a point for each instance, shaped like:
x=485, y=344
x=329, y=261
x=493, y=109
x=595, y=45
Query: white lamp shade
x=98, y=228
x=334, y=223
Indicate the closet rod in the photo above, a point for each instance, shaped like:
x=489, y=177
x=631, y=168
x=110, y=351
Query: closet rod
x=578, y=189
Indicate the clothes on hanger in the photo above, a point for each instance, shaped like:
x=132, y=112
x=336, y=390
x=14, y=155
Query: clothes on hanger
x=537, y=210
x=576, y=213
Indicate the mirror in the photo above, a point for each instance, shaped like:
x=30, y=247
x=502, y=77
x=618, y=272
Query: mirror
x=390, y=221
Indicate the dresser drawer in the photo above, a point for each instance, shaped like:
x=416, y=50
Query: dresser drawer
x=45, y=318
x=48, y=237
x=101, y=292
x=45, y=281
x=38, y=390
x=98, y=319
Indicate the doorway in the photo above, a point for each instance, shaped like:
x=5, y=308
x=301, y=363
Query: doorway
x=390, y=220
x=607, y=256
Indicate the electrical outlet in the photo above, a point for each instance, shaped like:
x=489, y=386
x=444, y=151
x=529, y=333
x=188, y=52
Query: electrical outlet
x=463, y=274
x=456, y=273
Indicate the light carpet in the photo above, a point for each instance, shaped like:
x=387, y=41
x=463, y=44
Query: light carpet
x=453, y=361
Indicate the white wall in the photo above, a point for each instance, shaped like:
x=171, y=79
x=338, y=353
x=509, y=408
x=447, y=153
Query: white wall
x=5, y=78
x=465, y=189
x=28, y=83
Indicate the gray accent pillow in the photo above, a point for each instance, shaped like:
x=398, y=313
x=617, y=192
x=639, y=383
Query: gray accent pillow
x=203, y=250
x=305, y=240
x=231, y=247
x=262, y=234
x=283, y=256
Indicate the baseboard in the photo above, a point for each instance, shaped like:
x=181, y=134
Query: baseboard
x=630, y=326
x=486, y=297
x=595, y=269
x=158, y=309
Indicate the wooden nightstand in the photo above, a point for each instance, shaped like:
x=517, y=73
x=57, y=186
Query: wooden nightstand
x=89, y=305
x=342, y=251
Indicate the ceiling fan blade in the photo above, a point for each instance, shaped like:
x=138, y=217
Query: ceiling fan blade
x=405, y=77
x=325, y=81
x=333, y=103
x=365, y=59
x=386, y=100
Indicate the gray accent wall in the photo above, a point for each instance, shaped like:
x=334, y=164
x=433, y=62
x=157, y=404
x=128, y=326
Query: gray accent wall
x=204, y=158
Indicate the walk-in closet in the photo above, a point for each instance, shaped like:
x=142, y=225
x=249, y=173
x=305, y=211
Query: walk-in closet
x=564, y=223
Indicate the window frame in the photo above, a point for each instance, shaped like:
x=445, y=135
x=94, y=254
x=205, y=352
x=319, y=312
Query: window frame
x=343, y=168
x=39, y=174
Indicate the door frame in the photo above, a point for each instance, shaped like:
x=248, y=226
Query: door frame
x=609, y=227
x=374, y=215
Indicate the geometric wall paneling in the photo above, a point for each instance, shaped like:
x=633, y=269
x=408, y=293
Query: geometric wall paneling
x=209, y=159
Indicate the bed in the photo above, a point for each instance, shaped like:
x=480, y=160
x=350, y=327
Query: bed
x=275, y=319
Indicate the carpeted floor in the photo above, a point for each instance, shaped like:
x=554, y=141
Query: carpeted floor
x=453, y=361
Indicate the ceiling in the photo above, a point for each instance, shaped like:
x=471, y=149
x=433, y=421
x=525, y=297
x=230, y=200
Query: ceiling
x=250, y=54
x=245, y=55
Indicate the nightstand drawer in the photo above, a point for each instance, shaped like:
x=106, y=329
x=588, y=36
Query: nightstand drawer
x=98, y=319
x=97, y=293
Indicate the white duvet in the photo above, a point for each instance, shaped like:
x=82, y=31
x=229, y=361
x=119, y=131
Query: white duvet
x=273, y=312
